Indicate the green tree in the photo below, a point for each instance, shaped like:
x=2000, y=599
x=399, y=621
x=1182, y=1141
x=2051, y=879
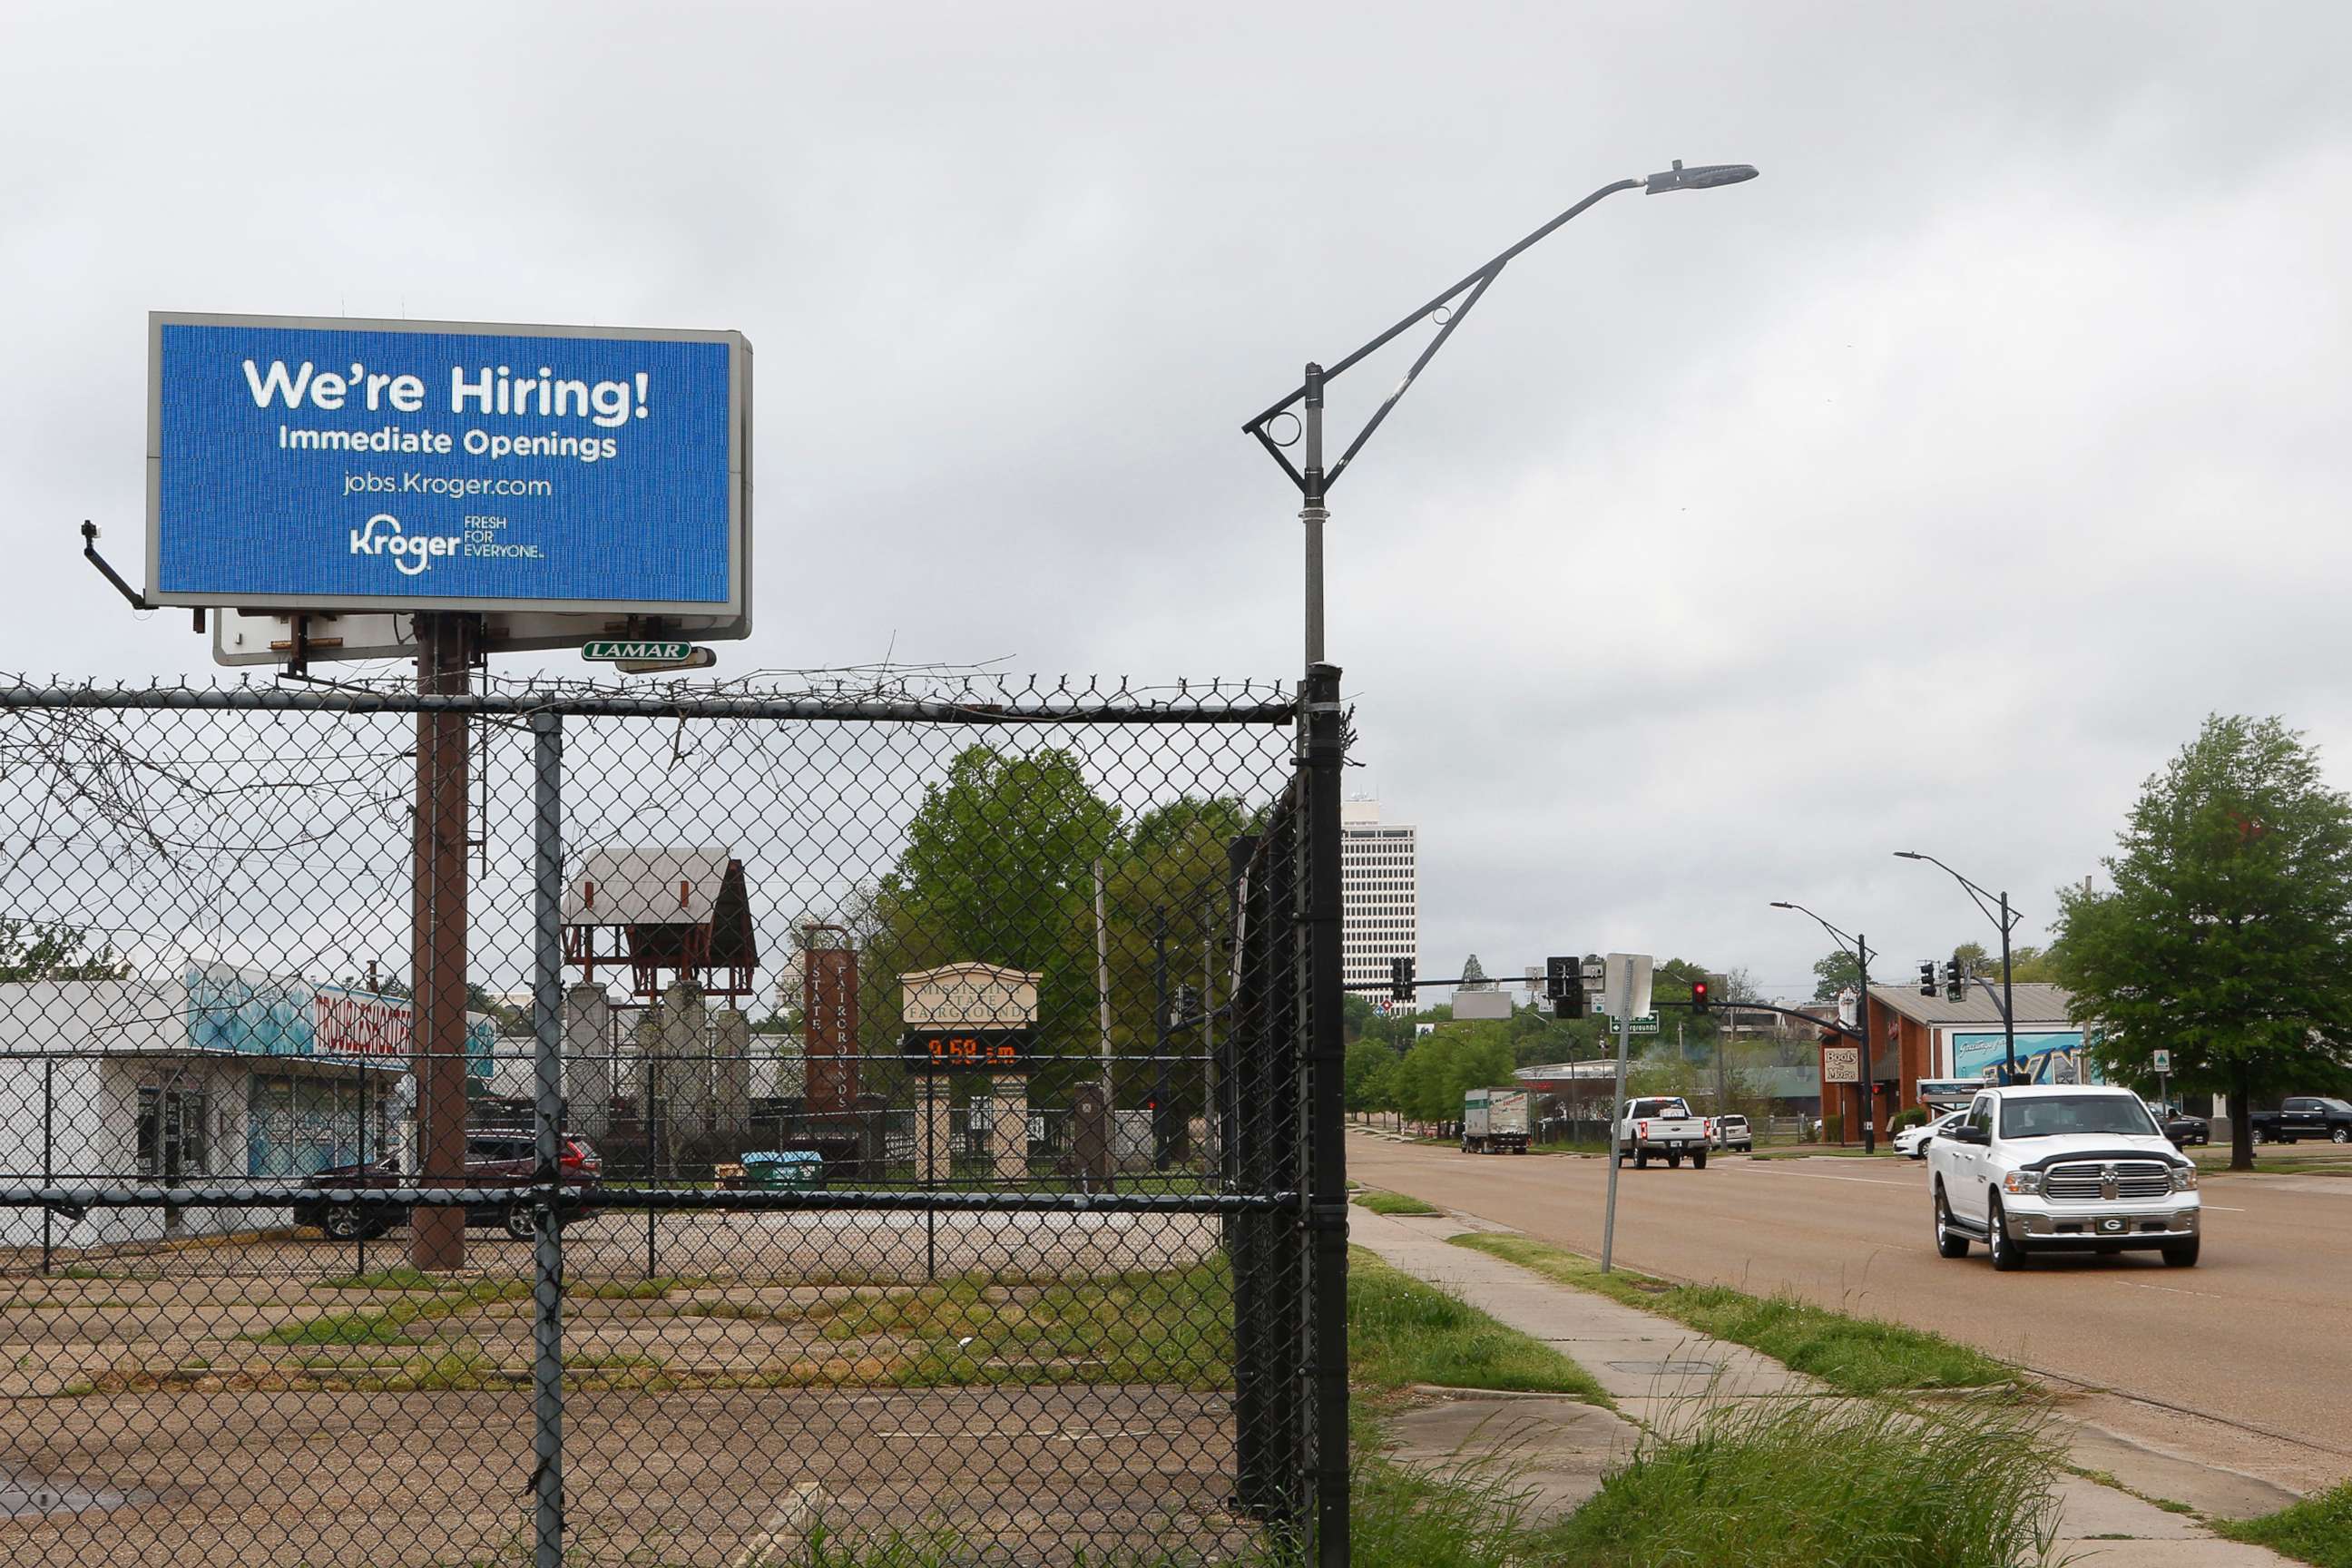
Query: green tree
x=2032, y=966
x=1834, y=973
x=1366, y=1074
x=39, y=949
x=2228, y=938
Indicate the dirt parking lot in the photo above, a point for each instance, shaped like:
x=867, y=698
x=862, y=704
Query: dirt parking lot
x=1063, y=1384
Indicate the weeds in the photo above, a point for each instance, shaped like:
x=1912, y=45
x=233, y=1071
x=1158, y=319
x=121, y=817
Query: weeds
x=1853, y=1355
x=1396, y=1202
x=1401, y=1331
x=2318, y=1529
x=1795, y=1483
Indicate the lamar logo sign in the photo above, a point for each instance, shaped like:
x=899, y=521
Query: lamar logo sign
x=412, y=552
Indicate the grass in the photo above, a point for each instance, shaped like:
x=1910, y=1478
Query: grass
x=1852, y=1355
x=1797, y=1483
x=407, y=1279
x=1396, y=1202
x=1401, y=1331
x=2318, y=1529
x=391, y=1324
x=1168, y=1327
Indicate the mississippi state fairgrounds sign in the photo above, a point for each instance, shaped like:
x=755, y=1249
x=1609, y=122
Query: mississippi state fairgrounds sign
x=333, y=464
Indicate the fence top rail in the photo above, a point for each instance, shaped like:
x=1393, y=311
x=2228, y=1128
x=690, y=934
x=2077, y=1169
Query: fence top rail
x=31, y=1194
x=1040, y=700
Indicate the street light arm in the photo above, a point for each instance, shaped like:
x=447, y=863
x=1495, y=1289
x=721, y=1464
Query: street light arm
x=1477, y=283
x=1841, y=937
x=1984, y=901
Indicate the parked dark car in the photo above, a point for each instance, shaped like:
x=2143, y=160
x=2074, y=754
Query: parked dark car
x=492, y=1159
x=2184, y=1128
x=2305, y=1116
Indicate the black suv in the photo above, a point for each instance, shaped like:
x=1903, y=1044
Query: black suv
x=492, y=1159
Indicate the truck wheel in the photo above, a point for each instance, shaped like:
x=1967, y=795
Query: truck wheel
x=2008, y=1257
x=342, y=1223
x=2340, y=1135
x=1698, y=1161
x=2181, y=1254
x=1950, y=1240
x=1640, y=1159
x=518, y=1222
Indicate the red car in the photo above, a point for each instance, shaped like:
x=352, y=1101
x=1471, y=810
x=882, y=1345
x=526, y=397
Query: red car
x=492, y=1159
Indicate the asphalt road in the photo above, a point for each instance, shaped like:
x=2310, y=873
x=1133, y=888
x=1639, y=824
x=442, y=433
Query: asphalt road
x=2255, y=1333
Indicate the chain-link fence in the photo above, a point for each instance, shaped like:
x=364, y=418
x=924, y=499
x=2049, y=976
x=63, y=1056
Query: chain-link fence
x=728, y=1128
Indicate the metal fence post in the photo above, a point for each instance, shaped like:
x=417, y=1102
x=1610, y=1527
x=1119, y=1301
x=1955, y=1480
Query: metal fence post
x=547, y=1232
x=1323, y=1114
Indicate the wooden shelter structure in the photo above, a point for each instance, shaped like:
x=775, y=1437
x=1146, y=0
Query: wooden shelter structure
x=683, y=912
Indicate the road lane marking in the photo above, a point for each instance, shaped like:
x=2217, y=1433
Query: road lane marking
x=2176, y=1291
x=1865, y=1181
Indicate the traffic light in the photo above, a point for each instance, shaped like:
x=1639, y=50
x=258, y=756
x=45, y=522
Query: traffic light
x=1956, y=981
x=1699, y=997
x=1927, y=977
x=1571, y=1006
x=1561, y=979
x=1400, y=979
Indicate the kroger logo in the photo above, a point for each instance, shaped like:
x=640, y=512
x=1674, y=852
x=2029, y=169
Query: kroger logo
x=412, y=552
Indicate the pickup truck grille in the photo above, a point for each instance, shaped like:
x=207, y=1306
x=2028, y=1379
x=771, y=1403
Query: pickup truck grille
x=2089, y=1181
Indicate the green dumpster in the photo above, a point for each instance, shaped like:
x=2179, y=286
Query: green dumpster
x=777, y=1170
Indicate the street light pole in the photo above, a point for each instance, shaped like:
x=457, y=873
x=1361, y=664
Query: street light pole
x=2007, y=921
x=1859, y=947
x=1448, y=308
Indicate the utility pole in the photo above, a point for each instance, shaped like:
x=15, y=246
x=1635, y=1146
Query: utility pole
x=444, y=644
x=1869, y=1084
x=1102, y=995
x=1161, y=1040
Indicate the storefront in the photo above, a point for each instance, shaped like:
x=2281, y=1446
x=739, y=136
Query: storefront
x=1923, y=1046
x=220, y=1077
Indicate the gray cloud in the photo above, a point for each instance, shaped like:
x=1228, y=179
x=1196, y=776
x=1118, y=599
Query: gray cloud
x=1924, y=493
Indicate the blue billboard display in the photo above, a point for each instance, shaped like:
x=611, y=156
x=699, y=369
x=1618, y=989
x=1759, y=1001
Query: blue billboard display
x=389, y=465
x=2057, y=1057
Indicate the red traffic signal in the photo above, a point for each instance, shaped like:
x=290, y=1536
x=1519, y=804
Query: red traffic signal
x=1700, y=1000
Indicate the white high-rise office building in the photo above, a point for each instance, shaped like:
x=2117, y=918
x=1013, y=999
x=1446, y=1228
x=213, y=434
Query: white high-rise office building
x=1379, y=882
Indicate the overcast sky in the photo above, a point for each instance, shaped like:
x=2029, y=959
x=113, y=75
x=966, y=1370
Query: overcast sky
x=1924, y=493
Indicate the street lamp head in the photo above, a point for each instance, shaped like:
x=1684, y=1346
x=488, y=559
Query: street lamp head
x=1703, y=177
x=1908, y=854
x=1782, y=904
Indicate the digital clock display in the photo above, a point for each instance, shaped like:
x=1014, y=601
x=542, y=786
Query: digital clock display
x=966, y=1050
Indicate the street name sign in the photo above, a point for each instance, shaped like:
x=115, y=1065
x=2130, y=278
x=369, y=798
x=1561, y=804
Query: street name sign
x=320, y=464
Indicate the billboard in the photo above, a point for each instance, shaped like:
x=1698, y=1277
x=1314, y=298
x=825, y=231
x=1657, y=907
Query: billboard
x=234, y=1012
x=2055, y=1057
x=329, y=464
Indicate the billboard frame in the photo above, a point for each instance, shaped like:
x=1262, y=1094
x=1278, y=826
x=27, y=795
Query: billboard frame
x=736, y=608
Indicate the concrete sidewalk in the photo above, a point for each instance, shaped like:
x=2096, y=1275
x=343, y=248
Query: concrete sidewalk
x=1652, y=1368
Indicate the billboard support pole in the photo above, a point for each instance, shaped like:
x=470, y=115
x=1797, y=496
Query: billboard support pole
x=437, y=934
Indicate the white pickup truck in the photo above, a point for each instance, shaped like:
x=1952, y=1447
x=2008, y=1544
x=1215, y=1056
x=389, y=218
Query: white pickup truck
x=2061, y=1169
x=1663, y=1126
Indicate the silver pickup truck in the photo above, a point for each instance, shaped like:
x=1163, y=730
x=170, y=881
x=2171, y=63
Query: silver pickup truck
x=1663, y=1125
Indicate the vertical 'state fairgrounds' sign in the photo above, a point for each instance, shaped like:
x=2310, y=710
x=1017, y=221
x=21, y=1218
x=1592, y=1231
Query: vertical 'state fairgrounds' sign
x=320, y=464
